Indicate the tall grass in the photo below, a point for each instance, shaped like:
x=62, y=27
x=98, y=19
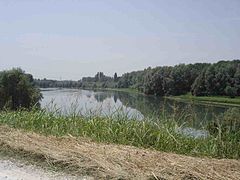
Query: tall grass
x=159, y=134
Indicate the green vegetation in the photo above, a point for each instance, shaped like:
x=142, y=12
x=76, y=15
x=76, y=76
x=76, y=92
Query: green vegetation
x=98, y=81
x=17, y=90
x=199, y=79
x=161, y=134
x=218, y=100
x=128, y=90
x=230, y=122
x=48, y=83
x=219, y=79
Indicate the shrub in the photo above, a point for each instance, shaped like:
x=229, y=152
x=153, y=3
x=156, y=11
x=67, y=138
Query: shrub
x=17, y=90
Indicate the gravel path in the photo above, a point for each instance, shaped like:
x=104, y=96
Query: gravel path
x=15, y=170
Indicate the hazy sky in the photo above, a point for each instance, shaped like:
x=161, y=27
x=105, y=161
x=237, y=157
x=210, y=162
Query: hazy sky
x=70, y=39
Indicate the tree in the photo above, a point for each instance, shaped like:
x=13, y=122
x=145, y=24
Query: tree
x=17, y=90
x=157, y=85
x=198, y=87
x=221, y=78
x=231, y=91
x=236, y=79
x=148, y=84
x=99, y=76
x=94, y=86
x=115, y=77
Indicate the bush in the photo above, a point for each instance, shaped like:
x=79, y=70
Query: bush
x=17, y=90
x=231, y=91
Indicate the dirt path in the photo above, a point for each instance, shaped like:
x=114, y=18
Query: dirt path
x=16, y=170
x=108, y=161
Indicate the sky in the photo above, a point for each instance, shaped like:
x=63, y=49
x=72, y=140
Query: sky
x=70, y=39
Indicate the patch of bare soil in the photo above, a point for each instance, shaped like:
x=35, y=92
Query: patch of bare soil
x=108, y=161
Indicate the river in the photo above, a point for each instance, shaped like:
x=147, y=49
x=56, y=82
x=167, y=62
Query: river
x=130, y=105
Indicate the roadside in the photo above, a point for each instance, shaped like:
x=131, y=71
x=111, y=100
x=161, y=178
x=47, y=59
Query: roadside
x=11, y=169
x=81, y=156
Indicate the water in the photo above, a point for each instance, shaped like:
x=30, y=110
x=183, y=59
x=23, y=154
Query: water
x=87, y=102
x=131, y=105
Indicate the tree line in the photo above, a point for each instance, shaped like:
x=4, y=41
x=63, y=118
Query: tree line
x=19, y=89
x=199, y=79
x=100, y=80
x=48, y=83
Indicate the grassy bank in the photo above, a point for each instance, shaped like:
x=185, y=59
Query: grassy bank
x=83, y=158
x=128, y=90
x=160, y=134
x=216, y=100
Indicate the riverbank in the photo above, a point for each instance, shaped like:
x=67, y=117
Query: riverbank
x=82, y=156
x=207, y=100
x=162, y=134
x=215, y=100
x=127, y=90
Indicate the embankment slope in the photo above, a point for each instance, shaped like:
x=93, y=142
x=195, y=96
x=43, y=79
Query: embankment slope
x=109, y=161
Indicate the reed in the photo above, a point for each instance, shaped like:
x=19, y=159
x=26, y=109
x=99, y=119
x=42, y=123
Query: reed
x=161, y=133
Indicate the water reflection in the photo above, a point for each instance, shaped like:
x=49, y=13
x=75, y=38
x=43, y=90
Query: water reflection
x=87, y=102
x=132, y=105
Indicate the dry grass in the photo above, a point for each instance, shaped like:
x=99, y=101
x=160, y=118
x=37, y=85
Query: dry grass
x=107, y=161
x=162, y=133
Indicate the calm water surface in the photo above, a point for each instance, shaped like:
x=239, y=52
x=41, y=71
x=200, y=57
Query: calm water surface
x=132, y=105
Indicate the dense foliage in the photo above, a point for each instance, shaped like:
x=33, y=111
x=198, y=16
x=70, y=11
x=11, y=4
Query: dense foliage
x=222, y=78
x=164, y=80
x=98, y=81
x=201, y=79
x=17, y=90
x=47, y=83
